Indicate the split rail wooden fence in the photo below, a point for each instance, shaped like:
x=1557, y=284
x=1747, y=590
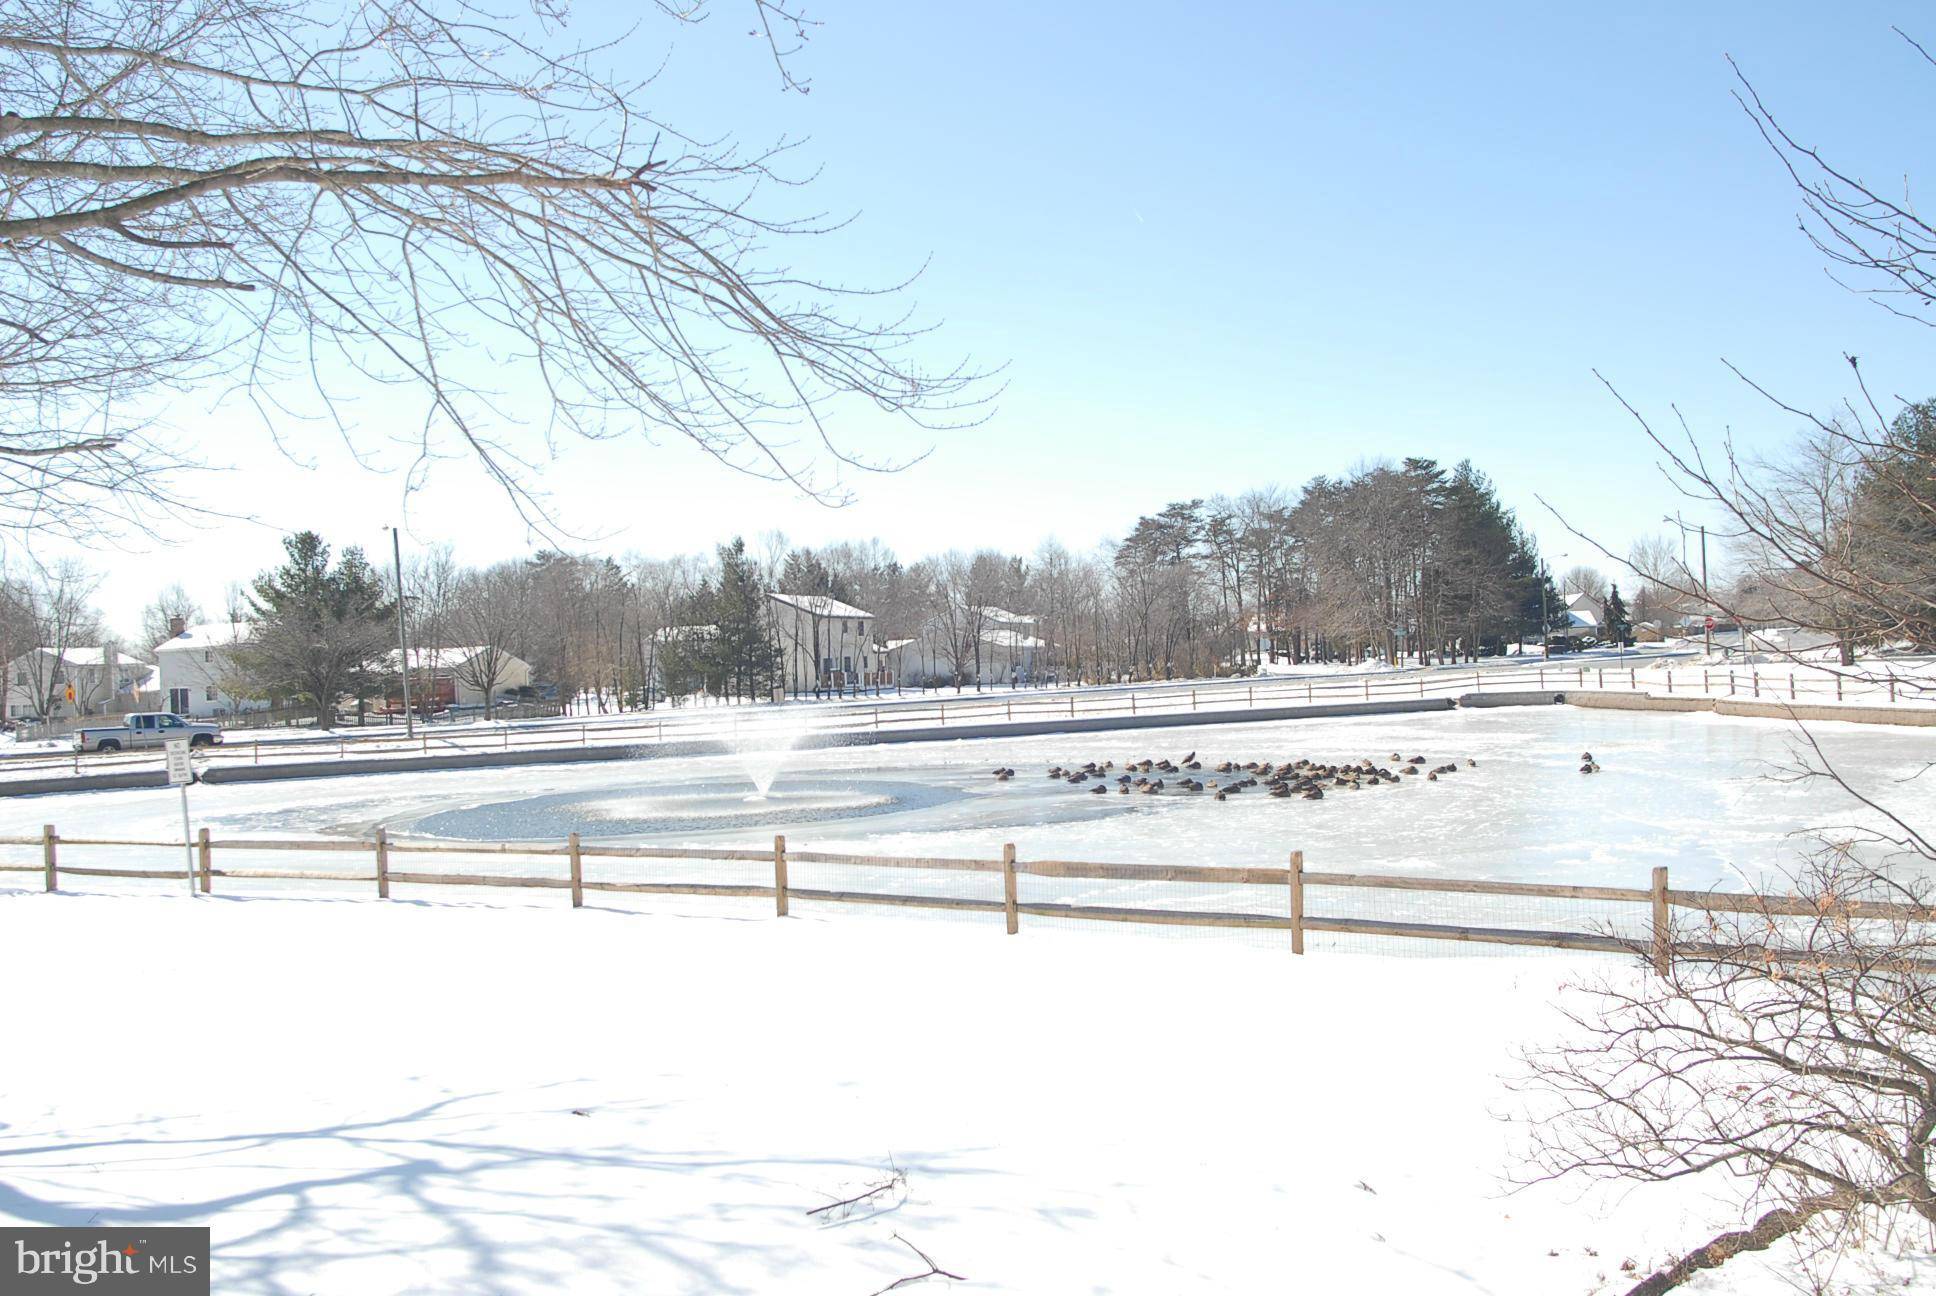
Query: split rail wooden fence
x=1294, y=883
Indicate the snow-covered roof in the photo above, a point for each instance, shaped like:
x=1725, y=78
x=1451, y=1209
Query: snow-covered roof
x=820, y=605
x=893, y=645
x=1581, y=619
x=437, y=659
x=94, y=655
x=213, y=634
x=1003, y=637
x=995, y=614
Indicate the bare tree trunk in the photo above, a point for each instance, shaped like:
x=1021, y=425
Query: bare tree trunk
x=1764, y=1233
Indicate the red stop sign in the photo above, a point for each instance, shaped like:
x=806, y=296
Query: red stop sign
x=1710, y=622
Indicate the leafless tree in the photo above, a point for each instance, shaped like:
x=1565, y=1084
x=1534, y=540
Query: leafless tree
x=490, y=611
x=385, y=196
x=61, y=619
x=158, y=616
x=1582, y=579
x=1790, y=1046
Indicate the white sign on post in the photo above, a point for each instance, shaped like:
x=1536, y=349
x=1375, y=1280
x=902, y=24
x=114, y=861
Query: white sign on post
x=181, y=772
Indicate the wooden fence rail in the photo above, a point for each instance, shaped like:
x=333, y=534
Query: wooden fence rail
x=1294, y=916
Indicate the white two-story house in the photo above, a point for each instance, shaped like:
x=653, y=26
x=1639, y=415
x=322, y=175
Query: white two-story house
x=199, y=674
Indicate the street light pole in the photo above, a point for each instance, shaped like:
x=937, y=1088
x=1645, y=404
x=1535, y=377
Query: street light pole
x=403, y=640
x=1707, y=603
x=1545, y=647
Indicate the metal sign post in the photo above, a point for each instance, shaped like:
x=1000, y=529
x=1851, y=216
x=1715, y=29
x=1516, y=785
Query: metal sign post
x=181, y=772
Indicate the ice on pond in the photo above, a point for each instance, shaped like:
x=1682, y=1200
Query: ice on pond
x=1705, y=795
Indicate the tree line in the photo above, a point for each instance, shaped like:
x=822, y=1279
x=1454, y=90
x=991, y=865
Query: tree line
x=1401, y=562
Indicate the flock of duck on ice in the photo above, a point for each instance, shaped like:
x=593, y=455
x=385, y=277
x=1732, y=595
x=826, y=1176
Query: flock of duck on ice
x=1300, y=778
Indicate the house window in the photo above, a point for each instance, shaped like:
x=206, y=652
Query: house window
x=209, y=694
x=208, y=654
x=20, y=677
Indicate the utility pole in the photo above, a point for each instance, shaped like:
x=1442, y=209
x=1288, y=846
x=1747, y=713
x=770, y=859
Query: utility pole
x=403, y=640
x=1707, y=602
x=1545, y=647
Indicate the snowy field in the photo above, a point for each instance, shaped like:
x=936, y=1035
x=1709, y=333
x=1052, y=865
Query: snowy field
x=514, y=1098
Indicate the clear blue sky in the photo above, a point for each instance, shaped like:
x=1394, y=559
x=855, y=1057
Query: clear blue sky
x=1226, y=246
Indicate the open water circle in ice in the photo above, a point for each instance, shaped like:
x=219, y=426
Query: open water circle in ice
x=722, y=805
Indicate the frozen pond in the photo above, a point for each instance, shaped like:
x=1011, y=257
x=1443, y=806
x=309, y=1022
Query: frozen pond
x=1704, y=795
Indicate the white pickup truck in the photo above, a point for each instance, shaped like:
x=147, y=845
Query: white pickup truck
x=147, y=729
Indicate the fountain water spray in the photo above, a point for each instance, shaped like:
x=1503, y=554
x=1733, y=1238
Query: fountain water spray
x=762, y=746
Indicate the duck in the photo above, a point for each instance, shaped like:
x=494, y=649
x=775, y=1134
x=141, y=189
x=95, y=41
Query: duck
x=1220, y=797
x=1004, y=775
x=1587, y=757
x=1187, y=759
x=1098, y=790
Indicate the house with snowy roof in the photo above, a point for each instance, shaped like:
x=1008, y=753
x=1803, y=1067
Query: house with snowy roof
x=476, y=675
x=80, y=680
x=984, y=645
x=1583, y=613
x=200, y=671
x=826, y=644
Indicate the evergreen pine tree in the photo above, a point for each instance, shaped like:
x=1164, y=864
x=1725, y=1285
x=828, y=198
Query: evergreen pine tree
x=1619, y=625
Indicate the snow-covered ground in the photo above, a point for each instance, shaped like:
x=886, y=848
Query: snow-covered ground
x=491, y=1092
x=511, y=1098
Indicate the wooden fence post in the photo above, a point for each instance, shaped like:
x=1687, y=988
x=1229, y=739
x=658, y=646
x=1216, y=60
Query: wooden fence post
x=1008, y=888
x=49, y=857
x=779, y=876
x=382, y=864
x=1670, y=681
x=577, y=872
x=202, y=852
x=1297, y=902
x=1663, y=923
